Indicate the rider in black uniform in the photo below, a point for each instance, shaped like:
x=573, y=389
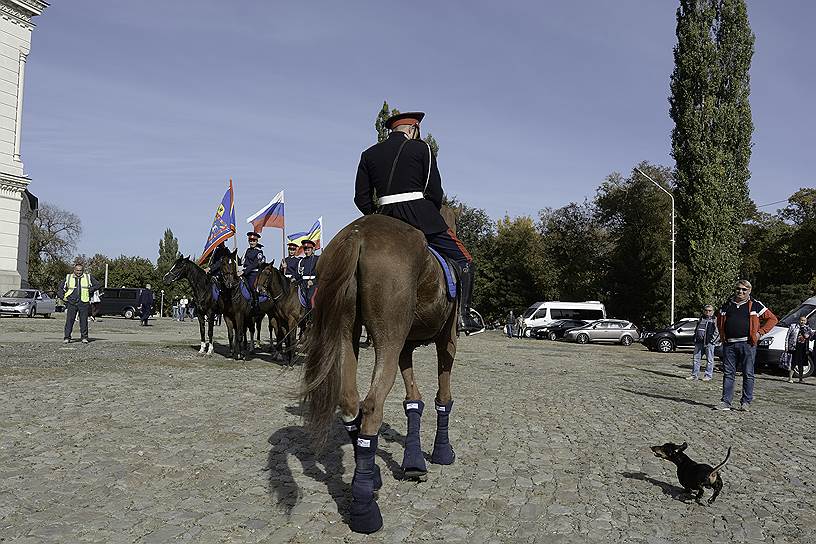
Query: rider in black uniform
x=403, y=174
x=254, y=260
x=289, y=265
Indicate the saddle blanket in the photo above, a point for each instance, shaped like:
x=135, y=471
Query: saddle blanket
x=450, y=279
x=248, y=296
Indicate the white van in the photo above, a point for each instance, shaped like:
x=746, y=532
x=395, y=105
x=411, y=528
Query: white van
x=772, y=344
x=544, y=313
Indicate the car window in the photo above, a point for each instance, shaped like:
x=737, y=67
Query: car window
x=540, y=314
x=529, y=311
x=793, y=317
x=19, y=293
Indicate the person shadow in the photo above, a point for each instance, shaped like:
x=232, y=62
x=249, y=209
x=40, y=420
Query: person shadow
x=667, y=397
x=675, y=492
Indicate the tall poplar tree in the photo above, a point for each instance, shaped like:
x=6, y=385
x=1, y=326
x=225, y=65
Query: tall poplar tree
x=711, y=140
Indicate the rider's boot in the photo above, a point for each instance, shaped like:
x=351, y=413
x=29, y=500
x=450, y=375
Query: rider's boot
x=467, y=323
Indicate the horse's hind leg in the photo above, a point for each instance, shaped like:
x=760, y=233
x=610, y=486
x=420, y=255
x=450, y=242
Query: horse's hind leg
x=445, y=352
x=413, y=462
x=210, y=319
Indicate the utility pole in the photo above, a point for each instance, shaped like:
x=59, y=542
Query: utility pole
x=672, y=237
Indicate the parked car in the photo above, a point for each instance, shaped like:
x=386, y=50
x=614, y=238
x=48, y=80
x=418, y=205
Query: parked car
x=605, y=330
x=119, y=301
x=27, y=302
x=678, y=335
x=556, y=329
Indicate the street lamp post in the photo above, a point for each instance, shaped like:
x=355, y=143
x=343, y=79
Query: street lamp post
x=672, y=236
x=161, y=307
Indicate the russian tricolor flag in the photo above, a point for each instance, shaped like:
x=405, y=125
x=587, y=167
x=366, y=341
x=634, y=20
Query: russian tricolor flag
x=270, y=216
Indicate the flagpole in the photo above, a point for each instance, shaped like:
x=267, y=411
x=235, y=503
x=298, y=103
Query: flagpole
x=234, y=233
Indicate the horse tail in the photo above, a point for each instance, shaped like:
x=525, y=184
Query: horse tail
x=333, y=316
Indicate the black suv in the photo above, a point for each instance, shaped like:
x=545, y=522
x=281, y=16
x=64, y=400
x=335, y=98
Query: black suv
x=679, y=335
x=119, y=301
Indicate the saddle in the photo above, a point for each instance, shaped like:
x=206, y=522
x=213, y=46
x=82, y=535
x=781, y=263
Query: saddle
x=247, y=294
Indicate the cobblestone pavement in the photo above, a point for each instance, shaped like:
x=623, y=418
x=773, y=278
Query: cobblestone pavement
x=135, y=438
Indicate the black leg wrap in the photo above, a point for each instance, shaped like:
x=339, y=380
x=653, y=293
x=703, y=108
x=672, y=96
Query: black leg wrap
x=365, y=515
x=353, y=430
x=442, y=452
x=413, y=462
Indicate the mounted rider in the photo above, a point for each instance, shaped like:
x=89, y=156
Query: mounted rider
x=399, y=177
x=254, y=260
x=289, y=264
x=306, y=273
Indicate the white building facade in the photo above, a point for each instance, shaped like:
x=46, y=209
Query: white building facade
x=17, y=206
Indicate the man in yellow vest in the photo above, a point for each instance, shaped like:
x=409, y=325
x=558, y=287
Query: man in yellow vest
x=76, y=292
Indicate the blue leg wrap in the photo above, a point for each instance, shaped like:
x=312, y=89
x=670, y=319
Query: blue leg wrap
x=413, y=462
x=353, y=430
x=365, y=515
x=442, y=451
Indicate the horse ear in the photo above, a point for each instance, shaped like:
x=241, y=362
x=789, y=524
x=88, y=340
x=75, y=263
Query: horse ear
x=683, y=446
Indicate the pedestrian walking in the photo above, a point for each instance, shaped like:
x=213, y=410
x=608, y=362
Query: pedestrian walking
x=146, y=299
x=96, y=300
x=511, y=320
x=76, y=291
x=796, y=343
x=183, y=308
x=742, y=320
x=705, y=337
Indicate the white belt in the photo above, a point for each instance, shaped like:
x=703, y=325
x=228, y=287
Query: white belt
x=400, y=197
x=308, y=277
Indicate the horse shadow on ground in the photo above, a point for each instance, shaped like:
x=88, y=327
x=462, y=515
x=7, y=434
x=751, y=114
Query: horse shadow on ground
x=666, y=397
x=659, y=373
x=324, y=465
x=675, y=492
x=223, y=350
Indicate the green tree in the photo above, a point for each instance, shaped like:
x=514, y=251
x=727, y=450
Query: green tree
x=127, y=271
x=54, y=233
x=637, y=219
x=434, y=145
x=576, y=247
x=379, y=124
x=711, y=140
x=168, y=253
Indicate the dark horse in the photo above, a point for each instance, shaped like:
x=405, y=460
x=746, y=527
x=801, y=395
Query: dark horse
x=237, y=308
x=207, y=296
x=286, y=309
x=378, y=272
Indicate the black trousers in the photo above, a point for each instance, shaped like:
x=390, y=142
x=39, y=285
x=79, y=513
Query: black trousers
x=449, y=246
x=71, y=310
x=800, y=357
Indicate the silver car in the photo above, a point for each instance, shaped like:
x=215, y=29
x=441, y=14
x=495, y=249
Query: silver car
x=27, y=302
x=605, y=330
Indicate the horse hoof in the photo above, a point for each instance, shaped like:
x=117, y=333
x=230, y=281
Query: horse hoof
x=413, y=466
x=365, y=517
x=443, y=455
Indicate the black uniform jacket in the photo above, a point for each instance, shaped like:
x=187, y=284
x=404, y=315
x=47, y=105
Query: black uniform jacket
x=410, y=176
x=289, y=266
x=253, y=260
x=307, y=266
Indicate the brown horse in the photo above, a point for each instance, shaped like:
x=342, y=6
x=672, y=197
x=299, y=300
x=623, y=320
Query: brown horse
x=378, y=272
x=285, y=308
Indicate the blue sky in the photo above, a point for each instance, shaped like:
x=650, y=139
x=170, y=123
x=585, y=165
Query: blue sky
x=136, y=114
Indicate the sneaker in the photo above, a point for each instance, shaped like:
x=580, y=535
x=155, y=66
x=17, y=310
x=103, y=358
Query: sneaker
x=706, y=378
x=84, y=340
x=68, y=341
x=723, y=406
x=692, y=377
x=790, y=380
x=745, y=407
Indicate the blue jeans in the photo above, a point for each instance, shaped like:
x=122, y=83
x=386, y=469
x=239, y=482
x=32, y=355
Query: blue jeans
x=732, y=354
x=698, y=355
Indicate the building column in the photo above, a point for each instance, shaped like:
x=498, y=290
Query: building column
x=19, y=124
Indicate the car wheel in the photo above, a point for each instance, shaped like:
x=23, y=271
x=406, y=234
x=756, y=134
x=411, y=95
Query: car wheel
x=552, y=336
x=665, y=345
x=32, y=312
x=807, y=370
x=582, y=338
x=626, y=340
x=129, y=313
x=47, y=316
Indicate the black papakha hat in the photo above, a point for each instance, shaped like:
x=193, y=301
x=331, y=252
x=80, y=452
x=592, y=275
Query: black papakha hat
x=407, y=118
x=309, y=242
x=252, y=234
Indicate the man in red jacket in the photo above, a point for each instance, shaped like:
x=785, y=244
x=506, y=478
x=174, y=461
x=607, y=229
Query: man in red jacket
x=742, y=320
